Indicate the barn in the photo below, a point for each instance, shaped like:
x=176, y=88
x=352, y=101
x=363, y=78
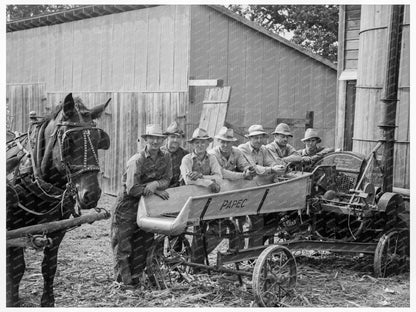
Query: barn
x=156, y=63
x=362, y=76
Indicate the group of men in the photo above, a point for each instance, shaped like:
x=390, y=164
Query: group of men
x=158, y=167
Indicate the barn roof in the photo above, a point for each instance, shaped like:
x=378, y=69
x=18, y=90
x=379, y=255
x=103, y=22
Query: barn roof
x=88, y=11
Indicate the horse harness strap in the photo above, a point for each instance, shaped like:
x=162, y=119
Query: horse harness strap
x=87, y=145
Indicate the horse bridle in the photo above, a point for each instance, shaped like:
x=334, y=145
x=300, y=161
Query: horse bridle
x=75, y=170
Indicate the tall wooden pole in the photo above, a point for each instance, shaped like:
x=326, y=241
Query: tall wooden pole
x=388, y=122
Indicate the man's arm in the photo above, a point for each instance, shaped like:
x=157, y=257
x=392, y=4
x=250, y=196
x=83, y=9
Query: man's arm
x=293, y=156
x=133, y=185
x=167, y=176
x=186, y=169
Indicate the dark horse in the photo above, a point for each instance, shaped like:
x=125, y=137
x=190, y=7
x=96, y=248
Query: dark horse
x=61, y=179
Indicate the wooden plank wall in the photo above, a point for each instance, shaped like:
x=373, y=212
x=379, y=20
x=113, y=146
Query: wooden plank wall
x=140, y=50
x=370, y=83
x=269, y=80
x=352, y=29
x=21, y=99
x=138, y=58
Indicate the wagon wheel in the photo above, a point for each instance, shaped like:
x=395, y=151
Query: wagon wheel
x=339, y=226
x=392, y=253
x=165, y=260
x=274, y=276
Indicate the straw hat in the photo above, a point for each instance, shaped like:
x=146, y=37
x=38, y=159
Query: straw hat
x=200, y=134
x=282, y=128
x=311, y=133
x=226, y=134
x=153, y=130
x=173, y=128
x=255, y=130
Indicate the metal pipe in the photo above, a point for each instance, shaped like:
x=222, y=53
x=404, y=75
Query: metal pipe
x=388, y=108
x=217, y=269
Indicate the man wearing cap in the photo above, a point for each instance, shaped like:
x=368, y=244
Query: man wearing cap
x=199, y=167
x=257, y=155
x=312, y=152
x=233, y=164
x=173, y=147
x=280, y=149
x=147, y=172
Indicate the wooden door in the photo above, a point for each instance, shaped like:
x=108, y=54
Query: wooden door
x=214, y=109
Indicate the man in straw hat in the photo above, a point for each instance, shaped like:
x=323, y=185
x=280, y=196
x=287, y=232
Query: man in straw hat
x=201, y=168
x=312, y=152
x=173, y=147
x=233, y=164
x=147, y=172
x=280, y=148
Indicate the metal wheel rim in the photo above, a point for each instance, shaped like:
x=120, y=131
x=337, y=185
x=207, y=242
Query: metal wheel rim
x=274, y=276
x=391, y=255
x=164, y=264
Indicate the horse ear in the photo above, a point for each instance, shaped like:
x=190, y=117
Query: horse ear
x=98, y=110
x=69, y=105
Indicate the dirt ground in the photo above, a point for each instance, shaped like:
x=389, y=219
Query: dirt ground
x=85, y=279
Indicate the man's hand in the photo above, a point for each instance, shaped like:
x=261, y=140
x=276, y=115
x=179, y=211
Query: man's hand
x=214, y=187
x=150, y=188
x=162, y=194
x=306, y=159
x=279, y=169
x=195, y=175
x=248, y=175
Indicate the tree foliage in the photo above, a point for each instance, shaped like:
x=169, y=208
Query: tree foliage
x=315, y=27
x=15, y=12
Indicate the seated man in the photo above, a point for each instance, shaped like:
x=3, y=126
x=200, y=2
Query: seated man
x=233, y=164
x=147, y=172
x=201, y=168
x=280, y=149
x=259, y=157
x=174, y=149
x=312, y=153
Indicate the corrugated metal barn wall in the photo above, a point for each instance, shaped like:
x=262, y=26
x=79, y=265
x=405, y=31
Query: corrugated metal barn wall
x=138, y=58
x=269, y=80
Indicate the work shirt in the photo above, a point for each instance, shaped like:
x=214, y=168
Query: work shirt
x=176, y=158
x=142, y=169
x=208, y=166
x=316, y=154
x=233, y=167
x=260, y=159
x=287, y=153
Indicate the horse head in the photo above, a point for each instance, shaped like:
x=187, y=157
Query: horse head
x=71, y=144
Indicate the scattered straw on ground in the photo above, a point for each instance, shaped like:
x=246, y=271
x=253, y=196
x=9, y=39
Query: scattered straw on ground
x=85, y=279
